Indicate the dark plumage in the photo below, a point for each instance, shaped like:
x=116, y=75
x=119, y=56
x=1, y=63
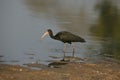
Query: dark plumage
x=65, y=37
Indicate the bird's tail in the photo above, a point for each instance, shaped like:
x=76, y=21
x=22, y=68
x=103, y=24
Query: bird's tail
x=82, y=40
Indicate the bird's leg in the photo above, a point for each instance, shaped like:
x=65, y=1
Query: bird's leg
x=73, y=48
x=64, y=50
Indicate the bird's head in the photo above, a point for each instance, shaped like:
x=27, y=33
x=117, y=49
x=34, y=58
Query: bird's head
x=48, y=32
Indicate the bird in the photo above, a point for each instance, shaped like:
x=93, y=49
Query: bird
x=65, y=37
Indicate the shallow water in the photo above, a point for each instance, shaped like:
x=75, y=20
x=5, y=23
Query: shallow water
x=22, y=23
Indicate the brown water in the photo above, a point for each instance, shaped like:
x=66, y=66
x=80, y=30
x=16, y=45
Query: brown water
x=22, y=22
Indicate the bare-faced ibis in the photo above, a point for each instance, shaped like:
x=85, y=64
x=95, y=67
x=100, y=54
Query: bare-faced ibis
x=65, y=37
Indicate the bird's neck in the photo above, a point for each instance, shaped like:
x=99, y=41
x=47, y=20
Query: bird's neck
x=51, y=35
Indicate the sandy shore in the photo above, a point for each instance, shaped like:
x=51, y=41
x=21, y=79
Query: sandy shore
x=103, y=70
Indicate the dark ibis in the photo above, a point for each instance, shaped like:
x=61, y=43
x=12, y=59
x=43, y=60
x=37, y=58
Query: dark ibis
x=65, y=37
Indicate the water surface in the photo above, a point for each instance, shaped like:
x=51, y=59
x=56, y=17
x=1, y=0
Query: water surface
x=22, y=22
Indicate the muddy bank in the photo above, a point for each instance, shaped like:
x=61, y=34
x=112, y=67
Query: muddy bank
x=103, y=70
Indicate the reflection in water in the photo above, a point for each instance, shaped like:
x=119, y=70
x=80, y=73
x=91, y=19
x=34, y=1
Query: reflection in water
x=108, y=27
x=74, y=16
x=57, y=64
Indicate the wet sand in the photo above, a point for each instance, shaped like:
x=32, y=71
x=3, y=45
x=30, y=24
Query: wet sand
x=103, y=70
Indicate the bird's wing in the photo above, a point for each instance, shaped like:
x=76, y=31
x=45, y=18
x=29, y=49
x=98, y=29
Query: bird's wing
x=67, y=36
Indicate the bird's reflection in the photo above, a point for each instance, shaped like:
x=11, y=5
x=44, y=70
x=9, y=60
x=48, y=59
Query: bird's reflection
x=67, y=59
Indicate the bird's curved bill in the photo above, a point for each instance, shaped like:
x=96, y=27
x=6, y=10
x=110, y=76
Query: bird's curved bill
x=46, y=33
